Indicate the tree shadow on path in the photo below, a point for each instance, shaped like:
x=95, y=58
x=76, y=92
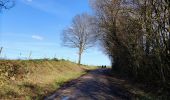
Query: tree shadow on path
x=96, y=85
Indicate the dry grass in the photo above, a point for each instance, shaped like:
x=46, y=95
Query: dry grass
x=35, y=79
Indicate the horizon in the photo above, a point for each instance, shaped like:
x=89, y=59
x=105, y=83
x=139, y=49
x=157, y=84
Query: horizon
x=36, y=25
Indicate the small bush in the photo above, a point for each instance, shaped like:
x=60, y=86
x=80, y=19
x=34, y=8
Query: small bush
x=12, y=70
x=55, y=59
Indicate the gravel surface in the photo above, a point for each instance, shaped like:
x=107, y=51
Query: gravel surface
x=95, y=85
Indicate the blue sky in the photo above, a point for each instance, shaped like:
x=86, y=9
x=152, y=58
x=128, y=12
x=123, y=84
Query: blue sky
x=36, y=26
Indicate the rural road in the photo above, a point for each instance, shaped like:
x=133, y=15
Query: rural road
x=96, y=85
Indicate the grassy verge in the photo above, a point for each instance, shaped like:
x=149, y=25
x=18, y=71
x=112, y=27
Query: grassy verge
x=140, y=91
x=34, y=79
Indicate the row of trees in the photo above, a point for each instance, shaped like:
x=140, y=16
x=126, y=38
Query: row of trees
x=135, y=34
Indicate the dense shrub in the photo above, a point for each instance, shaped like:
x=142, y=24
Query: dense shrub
x=12, y=69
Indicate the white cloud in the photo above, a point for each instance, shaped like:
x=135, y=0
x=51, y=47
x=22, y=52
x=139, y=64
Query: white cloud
x=49, y=6
x=37, y=37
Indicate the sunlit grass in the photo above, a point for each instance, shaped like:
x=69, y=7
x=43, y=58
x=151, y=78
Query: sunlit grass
x=37, y=78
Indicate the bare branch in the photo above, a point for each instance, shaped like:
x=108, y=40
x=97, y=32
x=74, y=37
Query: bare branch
x=81, y=34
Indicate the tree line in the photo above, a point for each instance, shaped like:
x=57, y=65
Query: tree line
x=135, y=34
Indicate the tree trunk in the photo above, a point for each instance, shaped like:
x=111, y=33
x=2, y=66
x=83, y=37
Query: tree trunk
x=80, y=53
x=79, y=60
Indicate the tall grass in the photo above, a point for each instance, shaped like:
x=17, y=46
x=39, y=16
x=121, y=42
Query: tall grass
x=33, y=79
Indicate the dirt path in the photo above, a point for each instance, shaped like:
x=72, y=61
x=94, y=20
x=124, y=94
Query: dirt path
x=96, y=85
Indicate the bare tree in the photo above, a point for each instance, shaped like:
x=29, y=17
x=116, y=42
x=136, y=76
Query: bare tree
x=136, y=36
x=80, y=34
x=6, y=4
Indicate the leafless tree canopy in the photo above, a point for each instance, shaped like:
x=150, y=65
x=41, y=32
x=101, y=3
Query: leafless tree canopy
x=136, y=36
x=81, y=33
x=6, y=4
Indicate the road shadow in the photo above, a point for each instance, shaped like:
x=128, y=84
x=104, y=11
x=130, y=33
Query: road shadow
x=96, y=85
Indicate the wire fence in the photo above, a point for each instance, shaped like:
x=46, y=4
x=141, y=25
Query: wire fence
x=11, y=53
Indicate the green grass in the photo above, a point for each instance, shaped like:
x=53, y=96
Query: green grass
x=36, y=78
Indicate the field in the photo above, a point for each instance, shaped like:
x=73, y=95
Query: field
x=34, y=79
